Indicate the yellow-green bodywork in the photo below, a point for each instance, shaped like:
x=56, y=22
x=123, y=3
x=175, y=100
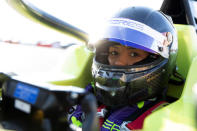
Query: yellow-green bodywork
x=187, y=50
x=76, y=67
x=180, y=115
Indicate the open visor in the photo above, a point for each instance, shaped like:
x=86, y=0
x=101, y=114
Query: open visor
x=137, y=35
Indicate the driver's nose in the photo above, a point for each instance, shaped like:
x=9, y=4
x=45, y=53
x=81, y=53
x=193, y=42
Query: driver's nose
x=121, y=60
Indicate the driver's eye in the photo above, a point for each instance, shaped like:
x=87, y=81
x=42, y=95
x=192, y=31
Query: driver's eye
x=133, y=54
x=113, y=53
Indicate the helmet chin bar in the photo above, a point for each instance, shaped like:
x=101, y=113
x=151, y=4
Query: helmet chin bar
x=28, y=105
x=118, y=87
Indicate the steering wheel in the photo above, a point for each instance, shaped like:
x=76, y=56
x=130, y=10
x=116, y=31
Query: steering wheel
x=27, y=105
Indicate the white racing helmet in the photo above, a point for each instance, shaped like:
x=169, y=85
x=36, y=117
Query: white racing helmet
x=141, y=28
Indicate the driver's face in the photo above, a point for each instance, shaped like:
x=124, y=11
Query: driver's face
x=122, y=55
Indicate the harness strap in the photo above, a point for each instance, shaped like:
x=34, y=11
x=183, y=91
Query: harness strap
x=138, y=123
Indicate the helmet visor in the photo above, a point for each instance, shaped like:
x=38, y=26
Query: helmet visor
x=137, y=35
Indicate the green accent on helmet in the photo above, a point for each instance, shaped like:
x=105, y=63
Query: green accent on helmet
x=114, y=79
x=140, y=104
x=76, y=122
